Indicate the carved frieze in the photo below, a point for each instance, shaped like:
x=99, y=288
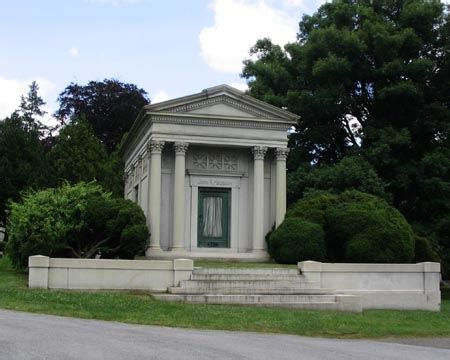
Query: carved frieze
x=200, y=161
x=215, y=161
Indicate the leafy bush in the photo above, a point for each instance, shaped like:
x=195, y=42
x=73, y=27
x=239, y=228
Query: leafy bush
x=424, y=250
x=297, y=240
x=443, y=234
x=75, y=221
x=366, y=229
x=355, y=227
x=313, y=207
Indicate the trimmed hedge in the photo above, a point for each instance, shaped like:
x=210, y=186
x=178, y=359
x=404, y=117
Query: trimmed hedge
x=297, y=240
x=313, y=207
x=355, y=227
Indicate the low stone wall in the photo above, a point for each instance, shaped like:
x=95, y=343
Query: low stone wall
x=102, y=274
x=381, y=286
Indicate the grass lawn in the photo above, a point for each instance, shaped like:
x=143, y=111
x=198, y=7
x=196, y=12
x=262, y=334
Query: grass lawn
x=142, y=309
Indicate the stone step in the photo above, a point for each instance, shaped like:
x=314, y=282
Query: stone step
x=250, y=284
x=250, y=291
x=246, y=271
x=307, y=302
x=247, y=299
x=247, y=277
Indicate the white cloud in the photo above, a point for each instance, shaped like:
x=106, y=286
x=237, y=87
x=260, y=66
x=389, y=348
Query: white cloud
x=160, y=96
x=237, y=26
x=73, y=51
x=294, y=3
x=239, y=86
x=12, y=89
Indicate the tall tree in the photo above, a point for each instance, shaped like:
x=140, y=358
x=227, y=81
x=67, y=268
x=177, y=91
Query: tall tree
x=23, y=162
x=358, y=66
x=109, y=106
x=371, y=78
x=79, y=156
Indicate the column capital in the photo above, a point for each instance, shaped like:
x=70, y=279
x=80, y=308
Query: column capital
x=180, y=148
x=155, y=147
x=259, y=152
x=281, y=153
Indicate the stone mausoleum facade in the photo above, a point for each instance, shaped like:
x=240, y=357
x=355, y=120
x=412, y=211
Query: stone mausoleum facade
x=209, y=171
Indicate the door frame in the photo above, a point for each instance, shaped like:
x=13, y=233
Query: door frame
x=229, y=181
x=226, y=194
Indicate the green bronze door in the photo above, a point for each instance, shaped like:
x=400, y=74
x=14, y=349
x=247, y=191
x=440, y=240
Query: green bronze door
x=213, y=218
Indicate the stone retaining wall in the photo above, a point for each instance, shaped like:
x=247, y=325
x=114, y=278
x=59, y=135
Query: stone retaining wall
x=102, y=274
x=381, y=286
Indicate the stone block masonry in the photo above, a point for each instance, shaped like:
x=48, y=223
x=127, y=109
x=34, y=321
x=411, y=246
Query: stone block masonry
x=381, y=286
x=102, y=274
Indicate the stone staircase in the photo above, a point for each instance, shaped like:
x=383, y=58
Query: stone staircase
x=268, y=287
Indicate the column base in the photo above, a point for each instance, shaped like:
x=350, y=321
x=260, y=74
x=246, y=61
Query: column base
x=153, y=250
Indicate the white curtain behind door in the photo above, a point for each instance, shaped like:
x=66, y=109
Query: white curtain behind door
x=212, y=217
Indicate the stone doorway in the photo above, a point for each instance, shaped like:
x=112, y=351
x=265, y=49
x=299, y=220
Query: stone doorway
x=214, y=214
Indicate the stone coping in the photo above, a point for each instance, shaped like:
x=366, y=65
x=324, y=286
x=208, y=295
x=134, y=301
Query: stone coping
x=46, y=262
x=423, y=267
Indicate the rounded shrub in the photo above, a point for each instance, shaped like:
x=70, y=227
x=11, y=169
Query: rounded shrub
x=365, y=228
x=313, y=207
x=297, y=240
x=78, y=220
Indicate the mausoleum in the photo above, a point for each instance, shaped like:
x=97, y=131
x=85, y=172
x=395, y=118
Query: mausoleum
x=209, y=171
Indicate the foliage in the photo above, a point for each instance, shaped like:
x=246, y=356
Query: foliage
x=297, y=240
x=23, y=163
x=109, y=106
x=351, y=173
x=443, y=234
x=424, y=250
x=373, y=64
x=74, y=221
x=358, y=227
x=30, y=109
x=365, y=228
x=79, y=156
x=368, y=79
x=313, y=207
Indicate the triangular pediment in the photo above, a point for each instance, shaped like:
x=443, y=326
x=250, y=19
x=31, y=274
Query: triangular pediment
x=223, y=101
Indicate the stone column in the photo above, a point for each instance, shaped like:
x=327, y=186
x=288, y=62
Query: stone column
x=280, y=194
x=155, y=148
x=178, y=195
x=258, y=198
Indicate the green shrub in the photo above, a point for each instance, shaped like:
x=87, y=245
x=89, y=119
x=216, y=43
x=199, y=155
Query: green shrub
x=443, y=235
x=313, y=207
x=365, y=228
x=424, y=250
x=74, y=221
x=297, y=240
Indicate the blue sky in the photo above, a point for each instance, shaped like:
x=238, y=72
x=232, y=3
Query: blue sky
x=169, y=48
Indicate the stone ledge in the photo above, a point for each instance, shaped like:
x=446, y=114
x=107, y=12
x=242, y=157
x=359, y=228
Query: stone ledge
x=423, y=267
